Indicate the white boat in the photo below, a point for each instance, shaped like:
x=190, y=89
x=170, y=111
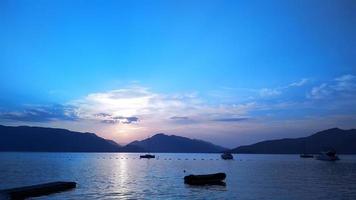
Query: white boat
x=327, y=156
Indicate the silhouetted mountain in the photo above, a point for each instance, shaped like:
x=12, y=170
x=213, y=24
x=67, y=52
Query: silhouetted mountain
x=343, y=141
x=176, y=144
x=24, y=138
x=132, y=148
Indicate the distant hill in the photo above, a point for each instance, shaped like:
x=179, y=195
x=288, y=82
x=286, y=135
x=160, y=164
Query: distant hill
x=25, y=138
x=343, y=141
x=38, y=139
x=132, y=148
x=176, y=144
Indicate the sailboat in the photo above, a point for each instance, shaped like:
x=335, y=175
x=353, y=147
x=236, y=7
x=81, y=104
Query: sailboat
x=148, y=155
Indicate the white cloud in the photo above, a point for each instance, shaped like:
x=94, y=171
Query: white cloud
x=319, y=92
x=267, y=92
x=148, y=106
x=345, y=83
x=299, y=83
x=272, y=92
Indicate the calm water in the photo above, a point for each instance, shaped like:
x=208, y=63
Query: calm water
x=124, y=176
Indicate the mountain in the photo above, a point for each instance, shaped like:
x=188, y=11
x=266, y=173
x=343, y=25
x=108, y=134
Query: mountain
x=343, y=141
x=25, y=138
x=176, y=144
x=38, y=139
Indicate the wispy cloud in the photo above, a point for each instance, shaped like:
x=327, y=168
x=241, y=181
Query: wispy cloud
x=183, y=120
x=320, y=91
x=179, y=118
x=299, y=83
x=273, y=92
x=135, y=111
x=41, y=113
x=130, y=104
x=267, y=92
x=343, y=85
x=236, y=119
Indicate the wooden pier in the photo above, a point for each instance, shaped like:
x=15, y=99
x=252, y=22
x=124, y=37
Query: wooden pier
x=36, y=190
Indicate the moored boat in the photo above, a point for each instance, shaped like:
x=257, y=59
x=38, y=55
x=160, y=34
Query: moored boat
x=327, y=156
x=206, y=179
x=148, y=156
x=227, y=156
x=305, y=154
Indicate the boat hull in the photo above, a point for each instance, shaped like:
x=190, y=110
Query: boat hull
x=148, y=156
x=326, y=158
x=306, y=156
x=207, y=179
x=227, y=156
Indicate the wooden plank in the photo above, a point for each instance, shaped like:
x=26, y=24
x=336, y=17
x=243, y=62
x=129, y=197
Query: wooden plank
x=37, y=190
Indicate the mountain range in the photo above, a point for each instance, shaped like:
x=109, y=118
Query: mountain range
x=176, y=144
x=38, y=139
x=343, y=141
x=25, y=138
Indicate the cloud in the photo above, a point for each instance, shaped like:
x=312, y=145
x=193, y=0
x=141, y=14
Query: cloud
x=179, y=118
x=320, y=91
x=103, y=115
x=134, y=106
x=139, y=104
x=338, y=87
x=266, y=92
x=236, y=119
x=273, y=92
x=345, y=83
x=110, y=119
x=127, y=120
x=41, y=113
x=299, y=83
x=183, y=120
x=123, y=120
x=346, y=77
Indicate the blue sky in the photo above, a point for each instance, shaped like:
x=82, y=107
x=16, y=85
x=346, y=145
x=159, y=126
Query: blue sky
x=233, y=72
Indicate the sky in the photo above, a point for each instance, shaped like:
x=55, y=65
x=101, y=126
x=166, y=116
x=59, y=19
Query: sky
x=227, y=71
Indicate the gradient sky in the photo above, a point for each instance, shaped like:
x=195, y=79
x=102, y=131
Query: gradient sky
x=230, y=72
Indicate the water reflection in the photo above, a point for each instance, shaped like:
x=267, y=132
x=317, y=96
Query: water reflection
x=113, y=176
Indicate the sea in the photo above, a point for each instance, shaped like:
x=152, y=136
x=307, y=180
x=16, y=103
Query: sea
x=126, y=176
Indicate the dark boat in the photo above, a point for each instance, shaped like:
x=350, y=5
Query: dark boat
x=148, y=156
x=36, y=190
x=304, y=155
x=206, y=179
x=227, y=156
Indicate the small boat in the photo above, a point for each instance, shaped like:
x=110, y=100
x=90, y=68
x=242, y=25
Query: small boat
x=148, y=156
x=206, y=179
x=227, y=156
x=304, y=155
x=327, y=156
